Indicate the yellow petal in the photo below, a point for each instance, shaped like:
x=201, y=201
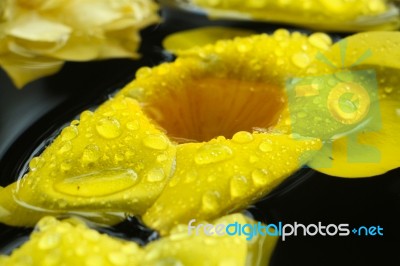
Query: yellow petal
x=198, y=250
x=72, y=242
x=366, y=154
x=380, y=48
x=23, y=70
x=79, y=48
x=337, y=15
x=16, y=214
x=201, y=36
x=34, y=28
x=112, y=160
x=217, y=177
x=372, y=151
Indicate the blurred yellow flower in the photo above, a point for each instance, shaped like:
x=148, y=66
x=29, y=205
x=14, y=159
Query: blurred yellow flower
x=327, y=15
x=37, y=36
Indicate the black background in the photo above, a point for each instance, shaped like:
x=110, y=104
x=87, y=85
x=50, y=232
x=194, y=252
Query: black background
x=29, y=116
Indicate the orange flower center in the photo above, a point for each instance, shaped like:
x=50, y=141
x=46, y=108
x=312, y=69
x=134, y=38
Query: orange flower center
x=202, y=109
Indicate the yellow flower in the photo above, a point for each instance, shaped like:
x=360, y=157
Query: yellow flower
x=211, y=132
x=73, y=243
x=336, y=15
x=117, y=159
x=37, y=36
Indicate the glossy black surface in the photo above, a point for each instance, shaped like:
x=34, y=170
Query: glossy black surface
x=30, y=116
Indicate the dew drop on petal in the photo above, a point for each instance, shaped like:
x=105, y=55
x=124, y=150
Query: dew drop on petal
x=253, y=159
x=65, y=166
x=74, y=122
x=260, y=177
x=265, y=146
x=36, y=163
x=49, y=241
x=191, y=176
x=320, y=40
x=86, y=115
x=156, y=142
x=301, y=60
x=155, y=175
x=118, y=258
x=91, y=153
x=210, y=201
x=132, y=125
x=94, y=260
x=238, y=186
x=143, y=72
x=242, y=137
x=108, y=128
x=97, y=184
x=69, y=133
x=162, y=158
x=388, y=90
x=212, y=153
x=65, y=146
x=173, y=181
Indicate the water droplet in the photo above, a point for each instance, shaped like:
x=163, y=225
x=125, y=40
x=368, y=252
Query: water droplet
x=69, y=133
x=86, y=115
x=52, y=258
x=320, y=40
x=65, y=166
x=118, y=258
x=301, y=60
x=156, y=142
x=49, y=241
x=108, y=128
x=91, y=235
x=265, y=146
x=162, y=158
x=238, y=186
x=191, y=176
x=143, y=72
x=74, y=122
x=94, y=260
x=243, y=47
x=133, y=125
x=91, y=153
x=173, y=181
x=212, y=153
x=210, y=202
x=242, y=137
x=388, y=90
x=65, y=146
x=36, y=163
x=253, y=159
x=281, y=34
x=155, y=175
x=260, y=177
x=97, y=184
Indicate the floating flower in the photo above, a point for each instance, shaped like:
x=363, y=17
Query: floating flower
x=335, y=15
x=72, y=242
x=205, y=135
x=37, y=36
x=118, y=160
